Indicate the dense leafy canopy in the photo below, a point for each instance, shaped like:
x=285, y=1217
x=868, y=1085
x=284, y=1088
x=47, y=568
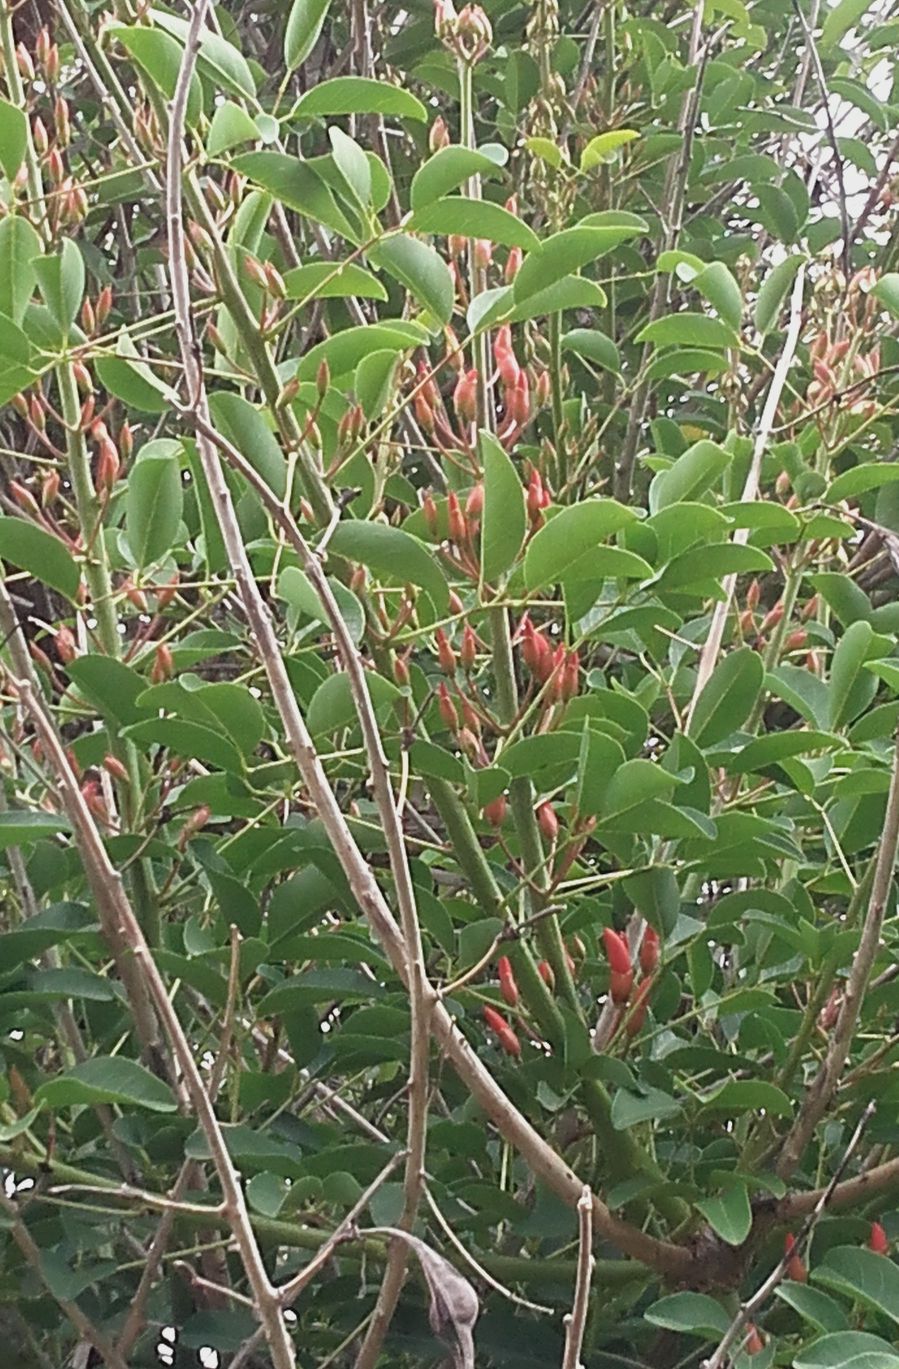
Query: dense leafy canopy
x=449, y=683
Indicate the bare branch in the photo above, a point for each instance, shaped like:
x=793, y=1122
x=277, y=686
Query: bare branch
x=576, y=1320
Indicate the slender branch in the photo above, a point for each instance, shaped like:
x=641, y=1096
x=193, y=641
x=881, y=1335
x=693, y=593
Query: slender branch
x=576, y=1320
x=83, y=1325
x=831, y=136
x=825, y=1082
x=710, y=651
x=748, y=1310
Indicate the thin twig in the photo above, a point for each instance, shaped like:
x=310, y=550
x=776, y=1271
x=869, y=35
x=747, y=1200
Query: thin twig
x=710, y=651
x=831, y=137
x=82, y=1323
x=748, y=1310
x=576, y=1320
x=821, y=1090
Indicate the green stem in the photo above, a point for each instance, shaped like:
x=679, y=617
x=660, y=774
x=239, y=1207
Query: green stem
x=555, y=380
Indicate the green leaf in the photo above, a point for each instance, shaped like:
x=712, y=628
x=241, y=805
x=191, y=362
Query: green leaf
x=565, y=252
x=887, y=291
x=131, y=380
x=728, y=698
x=218, y=60
x=294, y=586
x=346, y=349
x=107, y=1079
x=332, y=280
x=504, y=519
x=353, y=166
x=844, y=1348
x=159, y=56
x=13, y=138
x=546, y=150
x=358, y=95
x=599, y=759
x=375, y=381
x=392, y=552
x=110, y=686
x=729, y=1214
x=446, y=171
x=773, y=291
x=688, y=330
x=594, y=346
x=650, y=1105
x=154, y=500
x=21, y=827
x=720, y=288
x=839, y=20
x=813, y=1306
x=332, y=706
x=15, y=358
x=61, y=279
x=188, y=739
x=702, y=565
x=778, y=746
x=570, y=535
x=466, y=218
x=869, y=475
x=304, y=25
x=231, y=125
x=694, y=472
x=749, y=1095
x=296, y=185
x=855, y=647
x=44, y=556
x=695, y=1314
x=603, y=147
x=421, y=269
x=864, y=1276
x=20, y=244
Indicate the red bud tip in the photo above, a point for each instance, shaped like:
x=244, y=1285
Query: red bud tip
x=429, y=510
x=649, y=950
x=545, y=970
x=163, y=665
x=507, y=985
x=66, y=648
x=617, y=953
x=469, y=651
x=446, y=657
x=513, y=263
x=465, y=396
x=474, y=504
x=754, y=1344
x=458, y=527
x=620, y=985
x=503, y=1032
x=547, y=821
x=495, y=811
x=637, y=1015
x=447, y=708
x=877, y=1239
x=113, y=766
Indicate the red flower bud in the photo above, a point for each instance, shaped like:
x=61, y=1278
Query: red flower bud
x=877, y=1239
x=507, y=985
x=753, y=1344
x=483, y=253
x=518, y=401
x=753, y=594
x=545, y=970
x=796, y=1269
x=465, y=396
x=495, y=811
x=163, y=665
x=469, y=650
x=547, y=821
x=617, y=953
x=795, y=641
x=446, y=657
x=772, y=618
x=429, y=509
x=474, y=504
x=620, y=986
x=637, y=1016
x=458, y=527
x=503, y=1032
x=113, y=766
x=66, y=648
x=513, y=262
x=447, y=708
x=649, y=950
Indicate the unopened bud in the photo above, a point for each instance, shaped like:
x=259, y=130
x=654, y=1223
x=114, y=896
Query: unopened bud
x=469, y=649
x=197, y=820
x=447, y=708
x=66, y=648
x=61, y=122
x=548, y=821
x=483, y=253
x=465, y=396
x=49, y=489
x=446, y=657
x=24, y=62
x=458, y=528
x=513, y=264
x=113, y=766
x=80, y=374
x=166, y=594
x=495, y=811
x=323, y=378
x=163, y=665
x=103, y=306
x=55, y=166
x=39, y=137
x=438, y=136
